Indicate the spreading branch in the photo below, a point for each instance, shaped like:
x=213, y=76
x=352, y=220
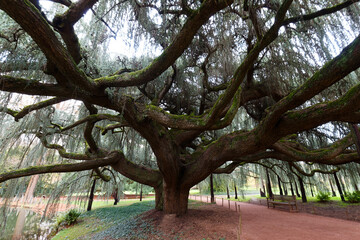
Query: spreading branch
x=58, y=168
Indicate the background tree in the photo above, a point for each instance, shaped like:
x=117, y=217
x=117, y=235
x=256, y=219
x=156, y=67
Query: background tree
x=233, y=82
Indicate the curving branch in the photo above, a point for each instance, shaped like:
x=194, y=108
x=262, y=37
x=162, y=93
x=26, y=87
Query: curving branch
x=112, y=127
x=26, y=110
x=61, y=150
x=93, y=118
x=313, y=171
x=171, y=53
x=333, y=71
x=140, y=174
x=64, y=24
x=241, y=72
x=203, y=122
x=27, y=15
x=63, y=2
x=323, y=155
x=229, y=168
x=58, y=168
x=320, y=13
x=30, y=87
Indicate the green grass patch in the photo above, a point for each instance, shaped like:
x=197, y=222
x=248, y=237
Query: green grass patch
x=115, y=221
x=240, y=199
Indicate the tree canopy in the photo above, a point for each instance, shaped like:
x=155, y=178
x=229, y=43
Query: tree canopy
x=209, y=83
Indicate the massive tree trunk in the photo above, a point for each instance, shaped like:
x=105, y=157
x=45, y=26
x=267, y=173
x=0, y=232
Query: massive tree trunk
x=175, y=199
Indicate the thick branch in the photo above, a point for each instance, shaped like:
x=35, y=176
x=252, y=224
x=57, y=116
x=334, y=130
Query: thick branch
x=136, y=172
x=30, y=87
x=170, y=54
x=320, y=13
x=26, y=110
x=313, y=171
x=65, y=167
x=333, y=71
x=64, y=24
x=229, y=168
x=27, y=16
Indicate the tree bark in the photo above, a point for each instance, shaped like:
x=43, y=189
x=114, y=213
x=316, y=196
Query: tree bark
x=227, y=192
x=91, y=197
x=339, y=188
x=302, y=189
x=159, y=198
x=175, y=199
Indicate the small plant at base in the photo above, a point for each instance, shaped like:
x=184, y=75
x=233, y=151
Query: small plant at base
x=323, y=196
x=353, y=197
x=68, y=218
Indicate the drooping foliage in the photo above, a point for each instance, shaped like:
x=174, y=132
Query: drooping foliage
x=167, y=92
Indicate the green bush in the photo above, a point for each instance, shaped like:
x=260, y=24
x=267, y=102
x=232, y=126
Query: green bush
x=353, y=197
x=323, y=196
x=69, y=218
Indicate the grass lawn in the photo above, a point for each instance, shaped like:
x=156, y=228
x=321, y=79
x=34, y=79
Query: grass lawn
x=120, y=221
x=112, y=220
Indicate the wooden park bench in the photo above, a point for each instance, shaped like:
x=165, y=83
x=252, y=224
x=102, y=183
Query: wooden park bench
x=283, y=200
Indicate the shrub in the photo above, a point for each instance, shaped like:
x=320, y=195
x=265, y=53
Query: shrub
x=353, y=197
x=323, y=196
x=68, y=218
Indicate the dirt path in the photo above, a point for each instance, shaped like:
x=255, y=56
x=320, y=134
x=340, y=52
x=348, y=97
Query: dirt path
x=259, y=222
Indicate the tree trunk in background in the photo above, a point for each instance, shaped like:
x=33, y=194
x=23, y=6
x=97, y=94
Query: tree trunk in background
x=115, y=196
x=296, y=189
x=280, y=188
x=227, y=192
x=339, y=187
x=311, y=190
x=357, y=137
x=332, y=188
x=285, y=189
x=343, y=186
x=292, y=189
x=269, y=191
x=141, y=192
x=302, y=189
x=236, y=196
x=29, y=194
x=212, y=196
x=91, y=197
